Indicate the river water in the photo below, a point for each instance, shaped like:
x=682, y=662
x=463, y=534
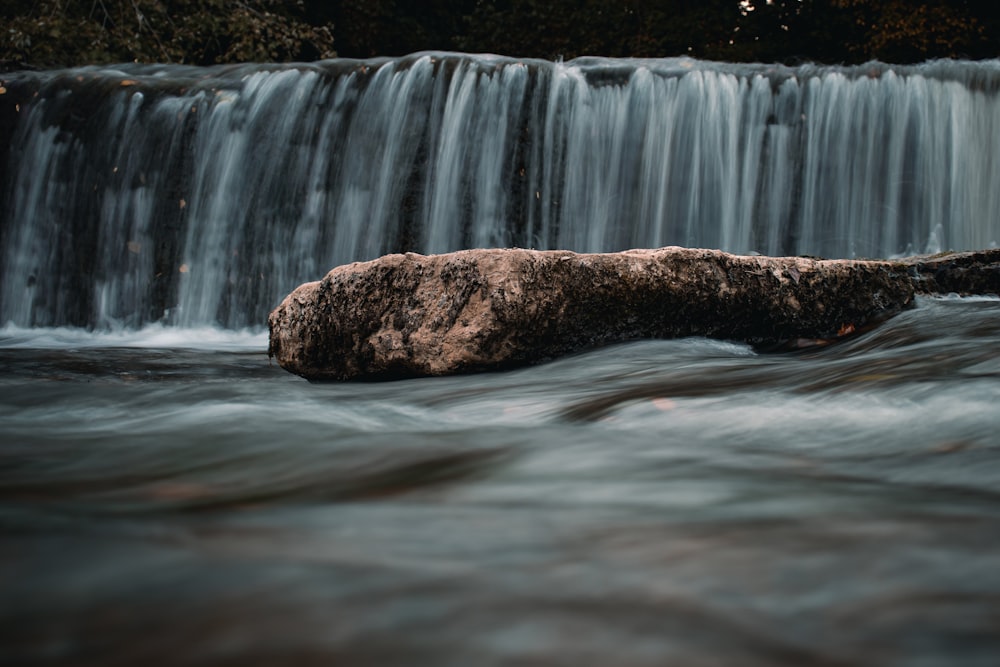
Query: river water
x=170, y=496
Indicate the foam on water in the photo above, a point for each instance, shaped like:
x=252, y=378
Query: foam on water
x=150, y=336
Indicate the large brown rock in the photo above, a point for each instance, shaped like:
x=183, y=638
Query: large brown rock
x=409, y=315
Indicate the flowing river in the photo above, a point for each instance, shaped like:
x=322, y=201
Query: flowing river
x=171, y=497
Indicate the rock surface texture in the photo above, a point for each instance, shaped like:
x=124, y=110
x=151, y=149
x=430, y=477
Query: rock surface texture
x=976, y=272
x=412, y=315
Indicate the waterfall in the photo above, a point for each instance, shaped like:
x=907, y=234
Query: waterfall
x=201, y=196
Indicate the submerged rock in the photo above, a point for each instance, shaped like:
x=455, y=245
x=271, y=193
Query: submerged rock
x=475, y=310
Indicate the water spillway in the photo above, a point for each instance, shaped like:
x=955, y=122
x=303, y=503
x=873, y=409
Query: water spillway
x=170, y=495
x=195, y=196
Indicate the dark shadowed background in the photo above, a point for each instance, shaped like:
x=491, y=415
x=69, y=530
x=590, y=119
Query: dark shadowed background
x=49, y=33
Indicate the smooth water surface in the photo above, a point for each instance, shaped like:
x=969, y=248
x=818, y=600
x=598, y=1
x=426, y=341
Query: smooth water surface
x=172, y=497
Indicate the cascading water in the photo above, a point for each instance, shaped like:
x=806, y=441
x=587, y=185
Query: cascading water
x=202, y=196
x=169, y=496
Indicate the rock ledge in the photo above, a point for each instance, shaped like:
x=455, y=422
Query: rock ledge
x=475, y=310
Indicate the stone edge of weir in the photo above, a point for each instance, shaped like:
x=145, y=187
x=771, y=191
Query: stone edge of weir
x=411, y=315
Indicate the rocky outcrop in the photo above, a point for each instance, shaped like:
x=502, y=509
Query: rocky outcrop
x=976, y=272
x=411, y=315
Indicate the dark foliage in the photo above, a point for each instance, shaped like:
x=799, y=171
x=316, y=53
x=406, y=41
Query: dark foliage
x=46, y=33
